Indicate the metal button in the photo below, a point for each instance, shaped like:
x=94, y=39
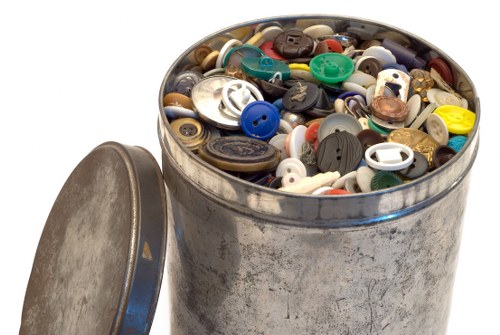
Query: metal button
x=389, y=109
x=340, y=152
x=416, y=140
x=293, y=43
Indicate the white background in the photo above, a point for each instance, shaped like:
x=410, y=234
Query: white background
x=76, y=74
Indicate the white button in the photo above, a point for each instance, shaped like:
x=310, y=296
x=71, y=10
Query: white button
x=310, y=184
x=278, y=141
x=341, y=181
x=225, y=49
x=419, y=121
x=383, y=55
x=297, y=139
x=290, y=179
x=285, y=127
x=389, y=156
x=440, y=98
x=322, y=190
x=237, y=94
x=361, y=78
x=291, y=165
x=271, y=32
x=353, y=87
x=318, y=30
x=414, y=104
x=364, y=178
x=436, y=127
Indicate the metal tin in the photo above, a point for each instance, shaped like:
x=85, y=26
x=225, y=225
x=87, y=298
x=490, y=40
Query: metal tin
x=99, y=263
x=249, y=259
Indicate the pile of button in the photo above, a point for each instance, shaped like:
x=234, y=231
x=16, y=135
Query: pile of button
x=302, y=108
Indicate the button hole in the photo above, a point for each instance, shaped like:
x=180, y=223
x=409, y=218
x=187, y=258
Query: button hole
x=264, y=117
x=255, y=123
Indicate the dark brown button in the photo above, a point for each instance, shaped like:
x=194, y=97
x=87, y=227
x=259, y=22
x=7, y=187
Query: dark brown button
x=369, y=137
x=340, y=152
x=369, y=65
x=300, y=97
x=390, y=109
x=442, y=68
x=418, y=168
x=240, y=154
x=323, y=106
x=272, y=89
x=293, y=43
x=441, y=155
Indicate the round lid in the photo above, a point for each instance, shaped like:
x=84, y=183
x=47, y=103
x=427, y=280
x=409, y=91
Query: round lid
x=99, y=263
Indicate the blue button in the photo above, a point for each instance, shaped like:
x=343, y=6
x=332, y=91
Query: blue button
x=260, y=120
x=457, y=142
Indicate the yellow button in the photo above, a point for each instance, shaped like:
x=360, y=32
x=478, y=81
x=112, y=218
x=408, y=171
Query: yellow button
x=458, y=120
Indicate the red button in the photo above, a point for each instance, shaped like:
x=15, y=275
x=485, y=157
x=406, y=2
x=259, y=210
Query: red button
x=442, y=68
x=337, y=191
x=267, y=49
x=312, y=132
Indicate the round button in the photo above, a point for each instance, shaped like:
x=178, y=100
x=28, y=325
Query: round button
x=416, y=140
x=293, y=43
x=338, y=122
x=437, y=128
x=421, y=82
x=185, y=81
x=364, y=176
x=340, y=151
x=381, y=130
x=340, y=183
x=458, y=120
x=234, y=55
x=267, y=48
x=440, y=98
x=237, y=94
x=383, y=55
x=297, y=139
x=337, y=191
x=322, y=190
x=328, y=45
x=369, y=137
x=290, y=165
x=385, y=179
x=224, y=50
x=278, y=141
x=331, y=67
x=457, y=142
x=300, y=97
x=312, y=132
x=264, y=67
x=389, y=108
x=442, y=68
x=260, y=120
x=177, y=99
x=414, y=104
x=442, y=155
x=240, y=154
x=318, y=30
x=289, y=179
x=369, y=65
x=389, y=156
x=417, y=168
x=191, y=132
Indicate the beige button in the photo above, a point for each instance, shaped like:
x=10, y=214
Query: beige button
x=318, y=30
x=436, y=127
x=178, y=100
x=209, y=61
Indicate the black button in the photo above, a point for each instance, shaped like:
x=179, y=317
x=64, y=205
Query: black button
x=340, y=151
x=300, y=97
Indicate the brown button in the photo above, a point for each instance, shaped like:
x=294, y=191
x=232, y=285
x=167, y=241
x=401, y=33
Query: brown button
x=293, y=43
x=369, y=65
x=178, y=100
x=442, y=68
x=441, y=155
x=369, y=137
x=340, y=152
x=389, y=109
x=191, y=132
x=201, y=53
x=415, y=139
x=240, y=154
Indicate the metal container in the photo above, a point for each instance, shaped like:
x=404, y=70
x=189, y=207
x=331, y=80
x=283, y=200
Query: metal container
x=245, y=259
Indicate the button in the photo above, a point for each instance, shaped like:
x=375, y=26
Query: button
x=271, y=32
x=191, y=132
x=267, y=48
x=234, y=55
x=257, y=39
x=389, y=109
x=329, y=45
x=201, y=52
x=340, y=183
x=388, y=156
x=293, y=43
x=383, y=55
x=369, y=65
x=291, y=165
x=297, y=139
x=340, y=151
x=264, y=67
x=173, y=112
x=185, y=81
x=347, y=39
x=381, y=130
x=331, y=67
x=353, y=87
x=278, y=141
x=442, y=155
x=285, y=127
x=237, y=94
x=294, y=119
x=338, y=122
x=442, y=68
x=351, y=186
x=310, y=184
x=240, y=154
x=300, y=97
x=404, y=56
x=422, y=117
x=337, y=191
x=416, y=140
x=421, y=82
x=364, y=176
x=302, y=71
x=207, y=99
x=395, y=77
x=260, y=120
x=289, y=179
x=385, y=179
x=323, y=106
x=322, y=190
x=387, y=124
x=210, y=61
x=417, y=168
x=437, y=128
x=458, y=120
x=369, y=137
x=224, y=50
x=177, y=99
x=318, y=30
x=440, y=98
x=414, y=105
x=311, y=134
x=457, y=142
x=361, y=78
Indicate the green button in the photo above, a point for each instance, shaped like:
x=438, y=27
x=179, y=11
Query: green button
x=331, y=67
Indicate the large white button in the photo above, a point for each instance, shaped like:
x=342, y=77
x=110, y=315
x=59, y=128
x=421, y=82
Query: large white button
x=436, y=127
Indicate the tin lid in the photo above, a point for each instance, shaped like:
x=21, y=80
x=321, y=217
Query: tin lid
x=99, y=263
